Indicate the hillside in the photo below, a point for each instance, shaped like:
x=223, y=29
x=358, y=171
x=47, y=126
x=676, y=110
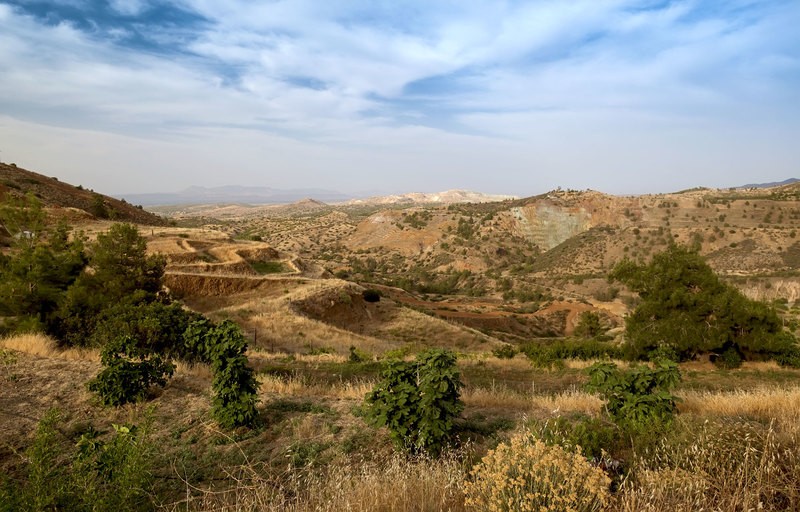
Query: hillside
x=508, y=269
x=56, y=194
x=325, y=294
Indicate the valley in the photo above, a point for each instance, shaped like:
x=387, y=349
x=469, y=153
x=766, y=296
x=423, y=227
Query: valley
x=326, y=295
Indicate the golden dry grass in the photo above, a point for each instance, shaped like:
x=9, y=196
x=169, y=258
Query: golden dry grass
x=412, y=326
x=781, y=405
x=298, y=386
x=282, y=328
x=504, y=398
x=526, y=475
x=44, y=346
x=196, y=370
x=393, y=485
x=720, y=465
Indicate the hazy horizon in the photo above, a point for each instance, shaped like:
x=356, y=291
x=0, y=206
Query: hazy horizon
x=517, y=98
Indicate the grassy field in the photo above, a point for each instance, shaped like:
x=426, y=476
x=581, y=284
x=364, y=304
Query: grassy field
x=734, y=445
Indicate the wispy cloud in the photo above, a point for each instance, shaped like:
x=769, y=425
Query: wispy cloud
x=369, y=81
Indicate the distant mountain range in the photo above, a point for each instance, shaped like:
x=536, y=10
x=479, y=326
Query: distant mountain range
x=235, y=194
x=772, y=184
x=266, y=195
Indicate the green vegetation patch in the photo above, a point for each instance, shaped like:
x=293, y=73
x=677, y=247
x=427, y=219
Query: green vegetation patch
x=268, y=267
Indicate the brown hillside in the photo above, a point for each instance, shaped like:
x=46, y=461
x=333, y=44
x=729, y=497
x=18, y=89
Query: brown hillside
x=54, y=193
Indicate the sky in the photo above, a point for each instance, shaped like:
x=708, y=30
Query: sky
x=511, y=97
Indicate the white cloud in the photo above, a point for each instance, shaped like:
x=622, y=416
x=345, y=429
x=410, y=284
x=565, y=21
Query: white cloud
x=540, y=80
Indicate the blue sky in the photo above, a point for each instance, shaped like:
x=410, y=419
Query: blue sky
x=511, y=97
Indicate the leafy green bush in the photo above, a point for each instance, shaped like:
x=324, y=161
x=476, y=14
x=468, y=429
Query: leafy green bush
x=590, y=326
x=235, y=388
x=418, y=401
x=505, y=351
x=158, y=327
x=639, y=397
x=358, y=356
x=129, y=372
x=92, y=474
x=789, y=357
x=729, y=359
x=554, y=354
x=596, y=437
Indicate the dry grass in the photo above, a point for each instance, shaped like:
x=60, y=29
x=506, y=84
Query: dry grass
x=395, y=485
x=42, y=345
x=281, y=328
x=781, y=405
x=408, y=325
x=717, y=466
x=195, y=370
x=498, y=397
x=303, y=358
x=298, y=386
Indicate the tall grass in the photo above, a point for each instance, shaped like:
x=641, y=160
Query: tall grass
x=780, y=405
x=722, y=466
x=395, y=485
x=44, y=346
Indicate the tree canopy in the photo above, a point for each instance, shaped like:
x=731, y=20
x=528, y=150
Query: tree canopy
x=687, y=309
x=43, y=263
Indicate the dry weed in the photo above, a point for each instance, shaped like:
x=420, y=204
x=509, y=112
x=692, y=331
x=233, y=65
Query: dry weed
x=570, y=401
x=299, y=386
x=292, y=332
x=781, y=405
x=502, y=397
x=528, y=475
x=196, y=370
x=395, y=485
x=717, y=466
x=44, y=346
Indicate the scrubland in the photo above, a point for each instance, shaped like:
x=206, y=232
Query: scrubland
x=733, y=445
x=490, y=283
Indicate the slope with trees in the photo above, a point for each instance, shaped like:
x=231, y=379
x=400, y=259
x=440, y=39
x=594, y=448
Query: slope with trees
x=688, y=311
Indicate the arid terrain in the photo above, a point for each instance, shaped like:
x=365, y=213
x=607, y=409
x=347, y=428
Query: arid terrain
x=509, y=270
x=470, y=277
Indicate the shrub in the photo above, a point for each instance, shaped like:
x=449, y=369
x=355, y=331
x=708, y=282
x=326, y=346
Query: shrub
x=547, y=356
x=158, y=327
x=129, y=372
x=92, y=474
x=528, y=475
x=789, y=357
x=639, y=397
x=358, y=356
x=371, y=295
x=595, y=437
x=590, y=325
x=115, y=474
x=505, y=351
x=234, y=385
x=98, y=206
x=729, y=359
x=418, y=401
